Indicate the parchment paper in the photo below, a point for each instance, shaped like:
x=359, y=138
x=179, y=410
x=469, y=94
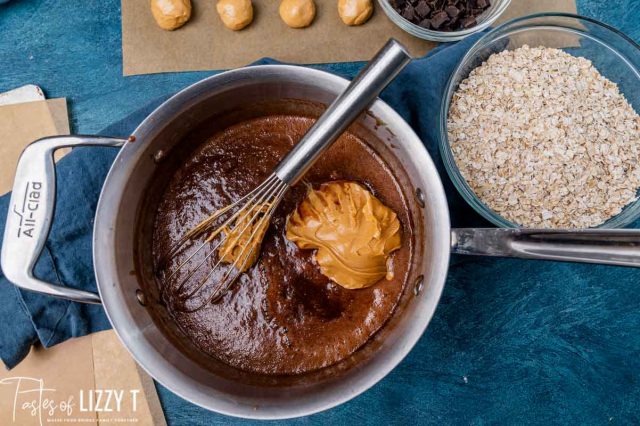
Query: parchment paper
x=86, y=373
x=21, y=124
x=60, y=372
x=85, y=364
x=204, y=43
x=115, y=369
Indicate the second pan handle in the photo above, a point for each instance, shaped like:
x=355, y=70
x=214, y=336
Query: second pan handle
x=31, y=213
x=602, y=246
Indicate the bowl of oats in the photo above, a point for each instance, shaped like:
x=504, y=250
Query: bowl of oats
x=540, y=128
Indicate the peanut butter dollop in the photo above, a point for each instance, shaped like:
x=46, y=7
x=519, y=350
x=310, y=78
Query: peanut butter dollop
x=355, y=12
x=171, y=14
x=297, y=13
x=243, y=241
x=235, y=14
x=352, y=231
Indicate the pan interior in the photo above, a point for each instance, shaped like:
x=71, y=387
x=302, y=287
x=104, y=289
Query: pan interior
x=171, y=163
x=125, y=218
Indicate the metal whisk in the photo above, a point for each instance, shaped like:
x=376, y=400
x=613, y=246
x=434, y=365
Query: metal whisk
x=242, y=225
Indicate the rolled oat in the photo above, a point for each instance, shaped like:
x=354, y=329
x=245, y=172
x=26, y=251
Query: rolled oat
x=545, y=140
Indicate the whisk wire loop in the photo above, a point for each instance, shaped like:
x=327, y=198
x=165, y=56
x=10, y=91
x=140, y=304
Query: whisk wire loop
x=203, y=226
x=266, y=186
x=248, y=213
x=223, y=286
x=248, y=207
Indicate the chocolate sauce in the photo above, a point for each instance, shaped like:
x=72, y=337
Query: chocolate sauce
x=282, y=316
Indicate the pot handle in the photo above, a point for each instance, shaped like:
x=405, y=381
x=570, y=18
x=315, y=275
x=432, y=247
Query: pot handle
x=603, y=246
x=31, y=211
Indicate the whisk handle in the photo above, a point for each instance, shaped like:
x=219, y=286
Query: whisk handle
x=360, y=93
x=31, y=212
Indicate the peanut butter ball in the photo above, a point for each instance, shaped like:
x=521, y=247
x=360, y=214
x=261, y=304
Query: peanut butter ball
x=297, y=13
x=355, y=12
x=235, y=14
x=171, y=14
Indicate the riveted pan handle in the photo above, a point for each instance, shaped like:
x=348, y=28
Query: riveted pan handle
x=603, y=246
x=31, y=212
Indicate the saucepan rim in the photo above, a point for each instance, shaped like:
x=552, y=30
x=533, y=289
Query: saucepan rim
x=106, y=267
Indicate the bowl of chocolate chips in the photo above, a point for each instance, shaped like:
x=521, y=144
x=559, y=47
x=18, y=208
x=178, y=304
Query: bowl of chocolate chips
x=443, y=20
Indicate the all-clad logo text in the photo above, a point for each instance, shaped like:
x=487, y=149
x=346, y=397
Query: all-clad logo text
x=27, y=211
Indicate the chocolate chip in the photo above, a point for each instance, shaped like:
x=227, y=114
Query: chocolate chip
x=441, y=15
x=409, y=13
x=441, y=3
x=452, y=11
x=425, y=23
x=439, y=19
x=423, y=9
x=468, y=22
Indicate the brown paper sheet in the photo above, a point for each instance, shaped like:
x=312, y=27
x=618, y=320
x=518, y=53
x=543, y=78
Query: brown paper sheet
x=88, y=380
x=520, y=8
x=43, y=386
x=115, y=369
x=78, y=366
x=204, y=43
x=21, y=124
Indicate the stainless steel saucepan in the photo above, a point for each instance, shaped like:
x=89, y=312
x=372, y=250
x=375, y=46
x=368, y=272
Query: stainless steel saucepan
x=128, y=301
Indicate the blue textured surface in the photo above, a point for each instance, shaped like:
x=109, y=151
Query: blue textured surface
x=511, y=342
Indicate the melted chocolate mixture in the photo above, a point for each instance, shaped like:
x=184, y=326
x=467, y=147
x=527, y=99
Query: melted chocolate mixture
x=282, y=316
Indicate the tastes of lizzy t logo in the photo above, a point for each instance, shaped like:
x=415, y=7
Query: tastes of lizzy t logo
x=26, y=210
x=33, y=400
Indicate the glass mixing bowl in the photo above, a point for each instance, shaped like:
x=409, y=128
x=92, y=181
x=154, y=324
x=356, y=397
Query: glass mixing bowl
x=489, y=16
x=616, y=56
